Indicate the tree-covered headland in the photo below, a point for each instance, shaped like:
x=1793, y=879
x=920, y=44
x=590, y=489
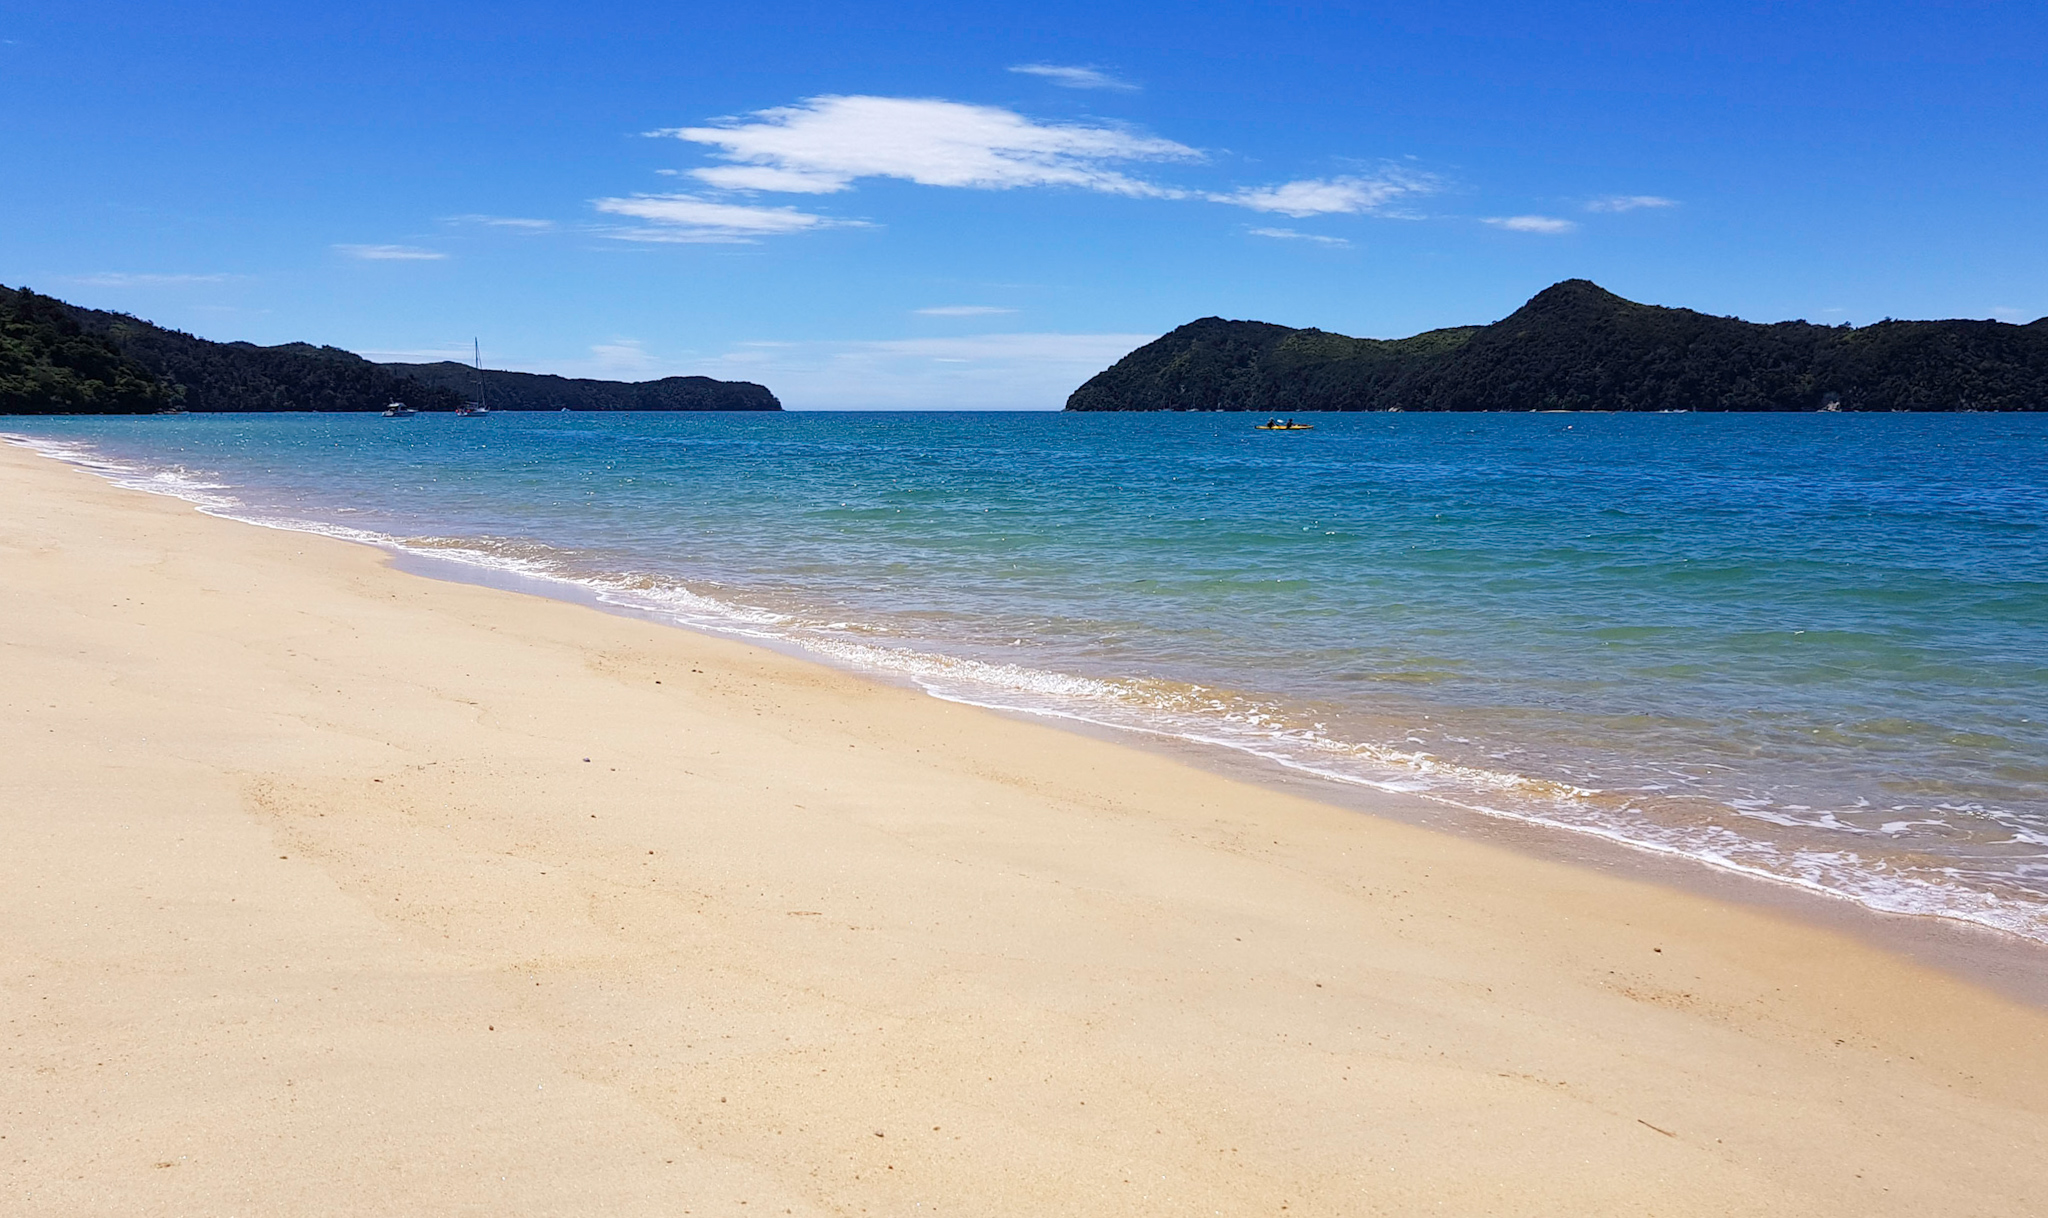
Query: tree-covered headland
x=58, y=358
x=540, y=391
x=1576, y=346
x=49, y=364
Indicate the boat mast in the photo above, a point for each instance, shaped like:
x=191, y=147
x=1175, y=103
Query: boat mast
x=482, y=399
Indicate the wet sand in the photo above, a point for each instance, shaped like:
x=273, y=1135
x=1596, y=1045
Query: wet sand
x=330, y=889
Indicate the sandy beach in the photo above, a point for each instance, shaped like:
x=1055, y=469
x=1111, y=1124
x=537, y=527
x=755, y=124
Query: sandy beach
x=331, y=889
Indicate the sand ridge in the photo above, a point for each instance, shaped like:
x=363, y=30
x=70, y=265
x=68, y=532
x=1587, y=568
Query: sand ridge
x=331, y=889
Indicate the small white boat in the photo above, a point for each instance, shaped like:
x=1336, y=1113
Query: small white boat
x=399, y=410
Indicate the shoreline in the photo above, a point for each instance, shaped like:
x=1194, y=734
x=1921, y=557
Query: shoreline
x=1883, y=854
x=1108, y=980
x=2005, y=961
x=1978, y=943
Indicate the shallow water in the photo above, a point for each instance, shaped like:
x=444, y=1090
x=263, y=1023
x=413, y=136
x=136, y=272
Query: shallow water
x=1813, y=647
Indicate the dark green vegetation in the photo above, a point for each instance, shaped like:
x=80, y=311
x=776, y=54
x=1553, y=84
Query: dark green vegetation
x=50, y=365
x=57, y=358
x=147, y=368
x=533, y=391
x=1576, y=346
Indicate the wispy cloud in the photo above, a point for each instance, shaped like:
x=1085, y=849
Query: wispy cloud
x=984, y=372
x=515, y=223
x=825, y=144
x=1347, y=195
x=829, y=144
x=978, y=372
x=613, y=359
x=1630, y=203
x=1075, y=76
x=1288, y=234
x=127, y=279
x=691, y=220
x=417, y=355
x=772, y=179
x=1531, y=224
x=626, y=359
x=390, y=253
x=962, y=311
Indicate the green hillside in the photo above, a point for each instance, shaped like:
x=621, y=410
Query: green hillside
x=50, y=365
x=1576, y=346
x=58, y=358
x=539, y=391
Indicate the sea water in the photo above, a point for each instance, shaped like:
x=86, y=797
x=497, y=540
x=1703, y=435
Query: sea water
x=1810, y=647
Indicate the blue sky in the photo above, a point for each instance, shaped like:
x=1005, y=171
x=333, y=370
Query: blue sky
x=945, y=205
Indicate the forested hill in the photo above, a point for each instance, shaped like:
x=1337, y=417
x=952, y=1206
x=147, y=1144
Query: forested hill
x=50, y=365
x=58, y=358
x=1576, y=346
x=187, y=372
x=538, y=391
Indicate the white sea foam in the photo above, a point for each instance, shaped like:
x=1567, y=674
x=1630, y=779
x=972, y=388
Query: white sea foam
x=1245, y=725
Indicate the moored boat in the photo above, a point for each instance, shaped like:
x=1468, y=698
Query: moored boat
x=469, y=410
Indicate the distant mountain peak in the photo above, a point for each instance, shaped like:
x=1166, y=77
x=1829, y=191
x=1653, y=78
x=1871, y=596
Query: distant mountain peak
x=1574, y=296
x=1577, y=346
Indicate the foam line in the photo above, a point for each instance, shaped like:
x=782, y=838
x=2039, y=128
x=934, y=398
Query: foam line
x=1194, y=714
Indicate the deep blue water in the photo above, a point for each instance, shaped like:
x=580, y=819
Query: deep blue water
x=1814, y=646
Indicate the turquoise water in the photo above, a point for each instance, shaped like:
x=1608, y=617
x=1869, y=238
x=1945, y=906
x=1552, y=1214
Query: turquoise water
x=1813, y=647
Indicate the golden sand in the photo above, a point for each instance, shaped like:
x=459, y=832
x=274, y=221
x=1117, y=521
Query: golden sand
x=329, y=890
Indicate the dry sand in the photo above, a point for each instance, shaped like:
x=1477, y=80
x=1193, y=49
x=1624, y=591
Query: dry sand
x=328, y=889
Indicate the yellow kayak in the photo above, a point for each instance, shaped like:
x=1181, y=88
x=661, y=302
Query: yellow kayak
x=1286, y=427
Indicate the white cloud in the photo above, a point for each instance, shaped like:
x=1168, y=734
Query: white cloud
x=982, y=372
x=1348, y=195
x=771, y=178
x=625, y=359
x=617, y=359
x=1630, y=202
x=125, y=279
x=962, y=311
x=390, y=253
x=1288, y=234
x=512, y=222
x=1531, y=224
x=825, y=144
x=1075, y=77
x=690, y=220
x=985, y=372
x=417, y=355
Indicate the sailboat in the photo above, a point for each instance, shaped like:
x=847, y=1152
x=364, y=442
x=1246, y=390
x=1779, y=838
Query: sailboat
x=482, y=405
